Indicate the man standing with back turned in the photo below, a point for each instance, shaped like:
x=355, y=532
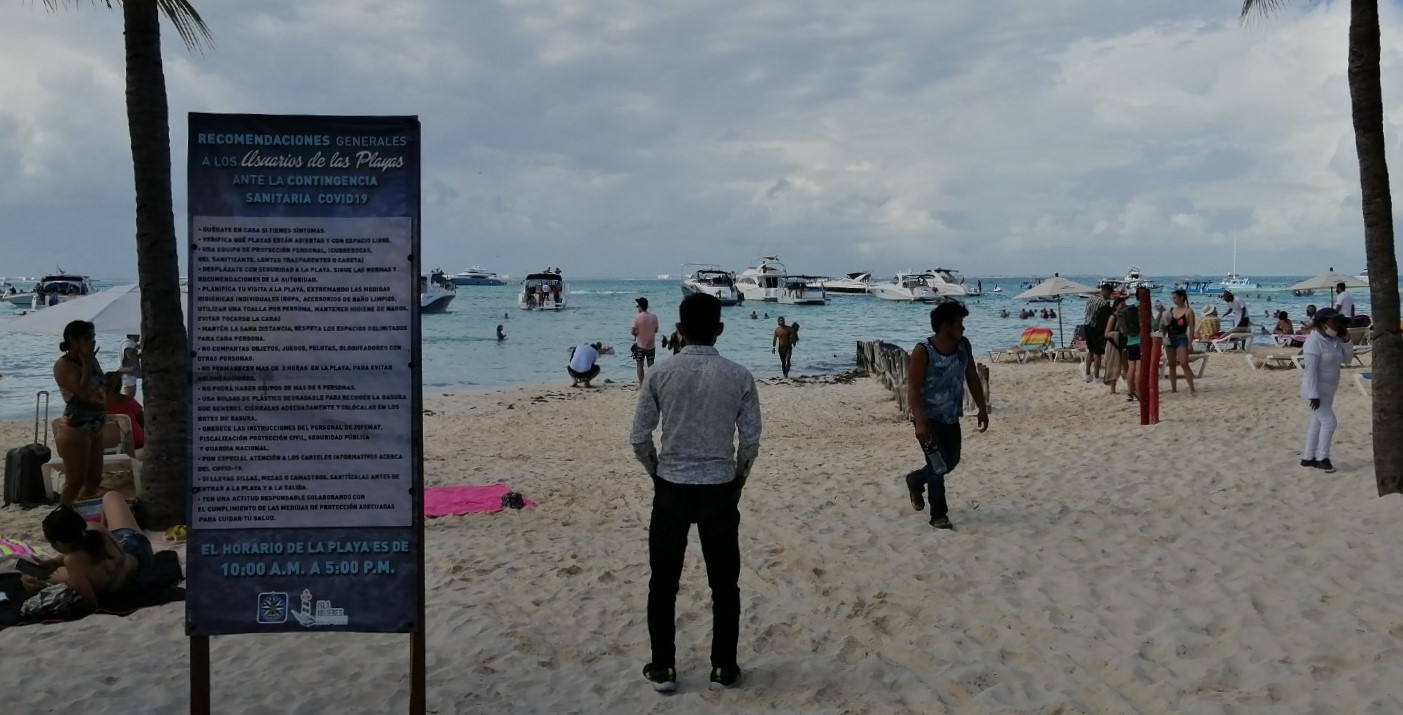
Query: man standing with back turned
x=702, y=401
x=645, y=334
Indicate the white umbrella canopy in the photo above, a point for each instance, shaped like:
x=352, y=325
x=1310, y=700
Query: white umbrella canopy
x=115, y=310
x=1328, y=280
x=1054, y=287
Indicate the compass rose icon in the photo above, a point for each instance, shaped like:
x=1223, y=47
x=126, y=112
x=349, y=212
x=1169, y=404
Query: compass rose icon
x=272, y=608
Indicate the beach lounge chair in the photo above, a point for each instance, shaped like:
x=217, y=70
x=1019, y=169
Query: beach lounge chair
x=1359, y=338
x=1277, y=360
x=1365, y=382
x=1076, y=352
x=1200, y=358
x=1034, y=341
x=117, y=453
x=1236, y=339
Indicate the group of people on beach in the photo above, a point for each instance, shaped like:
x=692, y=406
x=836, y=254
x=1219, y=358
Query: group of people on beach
x=708, y=410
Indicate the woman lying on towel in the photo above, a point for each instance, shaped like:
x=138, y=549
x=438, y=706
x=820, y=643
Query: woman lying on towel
x=96, y=561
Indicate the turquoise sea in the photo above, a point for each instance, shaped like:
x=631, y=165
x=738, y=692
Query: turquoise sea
x=461, y=353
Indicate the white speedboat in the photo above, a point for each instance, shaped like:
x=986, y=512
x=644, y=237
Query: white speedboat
x=854, y=284
x=764, y=281
x=996, y=289
x=949, y=283
x=435, y=299
x=52, y=290
x=1234, y=281
x=907, y=287
x=710, y=279
x=1132, y=282
x=542, y=291
x=477, y=277
x=803, y=290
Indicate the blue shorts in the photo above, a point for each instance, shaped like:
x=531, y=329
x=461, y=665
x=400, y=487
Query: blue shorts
x=1177, y=341
x=135, y=543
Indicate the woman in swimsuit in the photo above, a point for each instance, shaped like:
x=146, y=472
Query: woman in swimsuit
x=104, y=559
x=79, y=434
x=1176, y=340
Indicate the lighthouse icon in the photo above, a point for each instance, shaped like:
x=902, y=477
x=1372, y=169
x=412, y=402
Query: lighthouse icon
x=307, y=602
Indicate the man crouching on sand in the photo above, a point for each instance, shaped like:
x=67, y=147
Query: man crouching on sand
x=936, y=378
x=702, y=400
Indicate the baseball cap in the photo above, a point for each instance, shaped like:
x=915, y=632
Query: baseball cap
x=1326, y=314
x=642, y=302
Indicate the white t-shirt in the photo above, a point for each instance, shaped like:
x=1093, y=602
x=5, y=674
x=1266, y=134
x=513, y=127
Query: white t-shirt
x=1344, y=302
x=1235, y=312
x=584, y=358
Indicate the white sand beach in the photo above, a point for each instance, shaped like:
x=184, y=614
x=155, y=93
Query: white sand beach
x=1098, y=567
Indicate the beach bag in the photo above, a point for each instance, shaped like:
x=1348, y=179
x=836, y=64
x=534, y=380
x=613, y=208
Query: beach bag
x=56, y=602
x=1114, y=365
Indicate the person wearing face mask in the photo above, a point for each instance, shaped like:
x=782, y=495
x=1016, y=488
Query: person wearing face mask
x=82, y=385
x=1326, y=350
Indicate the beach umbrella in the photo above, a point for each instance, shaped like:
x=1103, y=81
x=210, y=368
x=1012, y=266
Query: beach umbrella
x=115, y=310
x=1328, y=280
x=1055, y=287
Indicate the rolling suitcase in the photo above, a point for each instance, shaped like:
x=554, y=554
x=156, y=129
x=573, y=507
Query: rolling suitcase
x=24, y=477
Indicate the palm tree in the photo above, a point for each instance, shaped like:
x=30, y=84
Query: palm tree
x=1366, y=106
x=165, y=357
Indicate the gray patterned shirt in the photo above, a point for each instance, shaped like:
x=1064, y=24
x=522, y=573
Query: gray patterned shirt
x=702, y=401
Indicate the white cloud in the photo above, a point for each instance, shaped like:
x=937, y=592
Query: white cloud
x=1005, y=136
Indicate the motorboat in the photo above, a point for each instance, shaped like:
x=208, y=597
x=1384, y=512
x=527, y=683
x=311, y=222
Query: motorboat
x=996, y=289
x=1132, y=282
x=853, y=284
x=476, y=276
x=1198, y=287
x=710, y=279
x=436, y=291
x=948, y=282
x=542, y=291
x=803, y=290
x=764, y=281
x=1363, y=275
x=907, y=287
x=664, y=276
x=52, y=289
x=1234, y=281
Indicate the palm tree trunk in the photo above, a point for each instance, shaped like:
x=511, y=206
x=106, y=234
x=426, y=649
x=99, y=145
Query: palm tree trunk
x=165, y=357
x=1366, y=101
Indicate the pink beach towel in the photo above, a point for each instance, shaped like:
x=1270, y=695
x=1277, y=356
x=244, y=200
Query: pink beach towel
x=457, y=501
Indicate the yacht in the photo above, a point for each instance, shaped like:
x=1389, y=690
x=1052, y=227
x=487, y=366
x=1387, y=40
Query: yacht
x=710, y=279
x=477, y=277
x=1363, y=275
x=542, y=291
x=949, y=283
x=853, y=284
x=764, y=281
x=55, y=288
x=1132, y=281
x=803, y=290
x=664, y=276
x=908, y=287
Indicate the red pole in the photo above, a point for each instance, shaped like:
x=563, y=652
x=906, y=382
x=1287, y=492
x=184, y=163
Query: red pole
x=1143, y=295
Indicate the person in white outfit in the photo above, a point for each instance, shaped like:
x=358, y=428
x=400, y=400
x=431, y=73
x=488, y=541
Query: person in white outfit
x=1327, y=349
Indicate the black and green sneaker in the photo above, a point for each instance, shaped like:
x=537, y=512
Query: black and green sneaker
x=724, y=678
x=664, y=680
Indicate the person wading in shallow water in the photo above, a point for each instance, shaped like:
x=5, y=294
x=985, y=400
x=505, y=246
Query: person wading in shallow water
x=782, y=342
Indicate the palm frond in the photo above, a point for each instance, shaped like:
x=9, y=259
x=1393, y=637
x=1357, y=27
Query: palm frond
x=182, y=15
x=1261, y=8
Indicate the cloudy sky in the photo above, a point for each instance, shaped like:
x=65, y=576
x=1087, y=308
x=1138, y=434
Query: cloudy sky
x=624, y=137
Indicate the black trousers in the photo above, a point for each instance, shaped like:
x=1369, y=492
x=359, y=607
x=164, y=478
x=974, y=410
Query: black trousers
x=712, y=507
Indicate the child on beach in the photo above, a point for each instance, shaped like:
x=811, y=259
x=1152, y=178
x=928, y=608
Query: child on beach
x=938, y=371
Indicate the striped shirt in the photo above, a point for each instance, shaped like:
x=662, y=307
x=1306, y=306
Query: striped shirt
x=702, y=401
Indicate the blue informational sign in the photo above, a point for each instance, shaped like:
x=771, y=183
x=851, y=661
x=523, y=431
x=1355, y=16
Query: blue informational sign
x=305, y=501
